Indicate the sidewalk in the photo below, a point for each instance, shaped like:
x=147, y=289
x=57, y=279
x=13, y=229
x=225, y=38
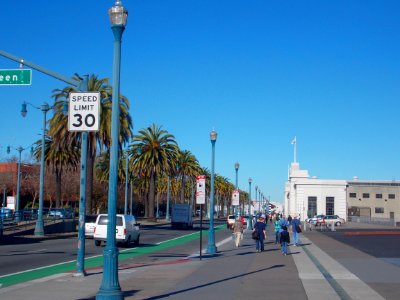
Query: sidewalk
x=234, y=273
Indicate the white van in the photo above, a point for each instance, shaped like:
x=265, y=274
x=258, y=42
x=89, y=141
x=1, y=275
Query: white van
x=127, y=230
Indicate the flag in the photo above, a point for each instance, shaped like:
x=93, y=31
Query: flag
x=294, y=140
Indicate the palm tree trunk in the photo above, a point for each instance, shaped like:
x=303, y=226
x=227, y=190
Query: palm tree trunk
x=152, y=195
x=183, y=189
x=58, y=187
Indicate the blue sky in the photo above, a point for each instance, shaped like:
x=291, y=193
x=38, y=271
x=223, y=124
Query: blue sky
x=259, y=72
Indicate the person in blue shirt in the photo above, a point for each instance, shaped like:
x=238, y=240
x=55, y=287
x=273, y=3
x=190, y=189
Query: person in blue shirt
x=260, y=228
x=296, y=229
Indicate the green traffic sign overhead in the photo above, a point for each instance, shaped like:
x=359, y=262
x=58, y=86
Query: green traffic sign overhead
x=16, y=77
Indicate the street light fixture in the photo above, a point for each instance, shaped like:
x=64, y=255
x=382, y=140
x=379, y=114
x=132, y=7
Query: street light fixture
x=19, y=149
x=110, y=288
x=39, y=229
x=236, y=187
x=250, y=221
x=211, y=248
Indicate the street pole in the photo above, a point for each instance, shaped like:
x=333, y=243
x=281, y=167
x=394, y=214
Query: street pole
x=110, y=288
x=4, y=195
x=131, y=202
x=39, y=229
x=19, y=149
x=17, y=216
x=211, y=248
x=80, y=259
x=236, y=187
x=250, y=221
x=126, y=183
x=256, y=197
x=167, y=217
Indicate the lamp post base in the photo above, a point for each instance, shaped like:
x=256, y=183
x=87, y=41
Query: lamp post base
x=211, y=249
x=39, y=230
x=110, y=288
x=110, y=295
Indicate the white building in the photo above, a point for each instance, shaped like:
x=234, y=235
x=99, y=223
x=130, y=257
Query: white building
x=306, y=197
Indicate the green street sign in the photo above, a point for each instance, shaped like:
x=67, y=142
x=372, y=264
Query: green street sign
x=16, y=77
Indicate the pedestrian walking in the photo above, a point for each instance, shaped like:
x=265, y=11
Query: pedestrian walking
x=284, y=239
x=238, y=231
x=278, y=228
x=289, y=218
x=259, y=227
x=296, y=229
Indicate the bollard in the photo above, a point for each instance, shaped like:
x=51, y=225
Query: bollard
x=333, y=226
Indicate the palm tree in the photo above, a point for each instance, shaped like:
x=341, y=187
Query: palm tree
x=58, y=156
x=187, y=167
x=152, y=152
x=97, y=141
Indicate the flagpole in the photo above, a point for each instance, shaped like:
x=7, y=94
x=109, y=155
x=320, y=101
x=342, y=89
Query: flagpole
x=294, y=142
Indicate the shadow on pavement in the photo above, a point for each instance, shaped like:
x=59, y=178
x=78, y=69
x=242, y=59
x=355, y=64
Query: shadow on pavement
x=212, y=283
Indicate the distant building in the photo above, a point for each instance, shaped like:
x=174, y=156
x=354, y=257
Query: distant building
x=306, y=197
x=374, y=199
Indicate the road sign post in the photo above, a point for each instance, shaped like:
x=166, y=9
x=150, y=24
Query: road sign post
x=201, y=199
x=16, y=77
x=235, y=197
x=84, y=109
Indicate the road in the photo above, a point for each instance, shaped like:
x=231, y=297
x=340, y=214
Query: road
x=25, y=253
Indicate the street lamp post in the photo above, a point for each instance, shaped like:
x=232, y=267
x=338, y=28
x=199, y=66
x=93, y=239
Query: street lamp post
x=211, y=248
x=256, y=196
x=39, y=229
x=236, y=187
x=19, y=149
x=126, y=183
x=168, y=198
x=131, y=199
x=250, y=222
x=4, y=195
x=110, y=288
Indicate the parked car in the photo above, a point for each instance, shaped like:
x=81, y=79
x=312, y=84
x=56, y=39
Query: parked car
x=6, y=212
x=329, y=219
x=127, y=230
x=62, y=213
x=230, y=221
x=90, y=223
x=29, y=214
x=317, y=220
x=57, y=213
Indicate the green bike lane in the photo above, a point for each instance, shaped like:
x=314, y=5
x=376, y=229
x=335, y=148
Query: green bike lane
x=97, y=261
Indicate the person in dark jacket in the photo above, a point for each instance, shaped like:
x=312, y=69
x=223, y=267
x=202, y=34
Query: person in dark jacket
x=284, y=239
x=260, y=228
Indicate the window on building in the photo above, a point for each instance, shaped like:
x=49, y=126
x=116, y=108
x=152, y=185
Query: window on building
x=365, y=195
x=312, y=206
x=330, y=205
x=353, y=195
x=392, y=196
x=379, y=210
x=378, y=196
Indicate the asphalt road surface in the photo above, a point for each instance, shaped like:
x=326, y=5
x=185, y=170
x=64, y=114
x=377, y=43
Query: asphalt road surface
x=24, y=253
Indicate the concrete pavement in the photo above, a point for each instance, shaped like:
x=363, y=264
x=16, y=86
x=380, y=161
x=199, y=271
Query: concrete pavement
x=311, y=271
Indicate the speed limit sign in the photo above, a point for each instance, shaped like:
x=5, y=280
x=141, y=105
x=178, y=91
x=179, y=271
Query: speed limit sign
x=83, y=112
